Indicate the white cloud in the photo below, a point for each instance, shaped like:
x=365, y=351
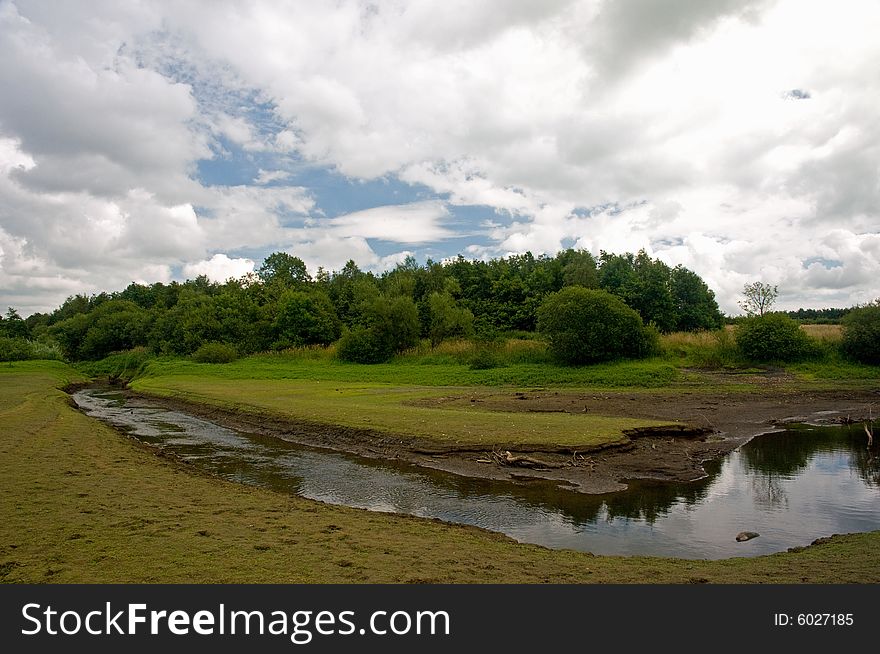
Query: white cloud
x=268, y=176
x=418, y=222
x=678, y=115
x=219, y=268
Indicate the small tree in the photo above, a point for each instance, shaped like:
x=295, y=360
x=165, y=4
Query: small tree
x=585, y=326
x=447, y=318
x=861, y=333
x=772, y=337
x=759, y=298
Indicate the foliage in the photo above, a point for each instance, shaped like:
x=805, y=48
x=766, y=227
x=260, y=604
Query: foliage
x=585, y=326
x=861, y=333
x=363, y=345
x=120, y=365
x=447, y=319
x=284, y=270
x=305, y=319
x=281, y=306
x=484, y=359
x=707, y=349
x=215, y=353
x=693, y=301
x=772, y=337
x=759, y=298
x=12, y=325
x=15, y=349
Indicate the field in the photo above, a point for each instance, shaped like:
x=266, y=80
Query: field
x=82, y=503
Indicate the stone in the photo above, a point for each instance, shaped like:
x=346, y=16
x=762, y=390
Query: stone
x=746, y=535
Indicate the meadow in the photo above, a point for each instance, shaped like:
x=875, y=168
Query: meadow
x=82, y=503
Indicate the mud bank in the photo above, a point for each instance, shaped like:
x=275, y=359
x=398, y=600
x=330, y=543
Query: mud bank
x=703, y=426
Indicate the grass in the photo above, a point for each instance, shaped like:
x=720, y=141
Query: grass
x=310, y=384
x=393, y=410
x=81, y=503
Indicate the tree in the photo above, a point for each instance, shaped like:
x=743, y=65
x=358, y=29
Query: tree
x=447, y=318
x=759, y=298
x=284, y=269
x=695, y=304
x=861, y=333
x=13, y=326
x=772, y=337
x=586, y=326
x=388, y=325
x=305, y=319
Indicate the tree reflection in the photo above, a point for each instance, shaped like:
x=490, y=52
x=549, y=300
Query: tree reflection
x=785, y=454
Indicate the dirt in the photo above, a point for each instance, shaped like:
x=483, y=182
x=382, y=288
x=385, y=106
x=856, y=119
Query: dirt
x=703, y=426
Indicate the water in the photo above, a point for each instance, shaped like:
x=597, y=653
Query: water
x=791, y=487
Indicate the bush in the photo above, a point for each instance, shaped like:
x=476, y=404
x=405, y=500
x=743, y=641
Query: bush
x=861, y=334
x=772, y=337
x=484, y=359
x=215, y=353
x=15, y=349
x=585, y=326
x=364, y=345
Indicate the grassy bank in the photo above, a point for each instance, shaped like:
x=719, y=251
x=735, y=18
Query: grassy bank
x=81, y=503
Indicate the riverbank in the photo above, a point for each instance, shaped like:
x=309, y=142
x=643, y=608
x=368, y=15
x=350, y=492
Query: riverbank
x=82, y=503
x=586, y=439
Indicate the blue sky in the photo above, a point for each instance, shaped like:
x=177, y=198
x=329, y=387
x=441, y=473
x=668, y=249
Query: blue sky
x=154, y=141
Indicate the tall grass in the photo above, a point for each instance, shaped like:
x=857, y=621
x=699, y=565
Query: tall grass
x=707, y=349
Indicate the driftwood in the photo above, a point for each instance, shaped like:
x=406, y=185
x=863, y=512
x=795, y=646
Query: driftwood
x=507, y=458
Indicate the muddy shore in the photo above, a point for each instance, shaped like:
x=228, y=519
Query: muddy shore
x=702, y=427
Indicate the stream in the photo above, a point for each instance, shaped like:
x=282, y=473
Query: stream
x=790, y=487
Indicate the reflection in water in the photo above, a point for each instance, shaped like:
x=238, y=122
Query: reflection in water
x=791, y=487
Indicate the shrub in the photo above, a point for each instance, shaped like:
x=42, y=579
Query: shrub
x=215, y=353
x=861, y=334
x=364, y=345
x=484, y=359
x=585, y=326
x=772, y=337
x=15, y=349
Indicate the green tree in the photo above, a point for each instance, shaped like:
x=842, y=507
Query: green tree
x=13, y=326
x=585, y=326
x=447, y=318
x=861, y=333
x=305, y=319
x=579, y=268
x=388, y=325
x=694, y=301
x=759, y=298
x=115, y=325
x=772, y=337
x=283, y=269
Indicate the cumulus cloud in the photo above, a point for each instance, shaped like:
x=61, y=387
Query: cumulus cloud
x=219, y=268
x=732, y=136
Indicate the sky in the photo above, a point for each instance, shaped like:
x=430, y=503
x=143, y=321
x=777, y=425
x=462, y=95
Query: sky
x=157, y=140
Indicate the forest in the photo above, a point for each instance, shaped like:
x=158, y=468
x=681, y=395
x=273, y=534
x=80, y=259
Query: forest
x=281, y=306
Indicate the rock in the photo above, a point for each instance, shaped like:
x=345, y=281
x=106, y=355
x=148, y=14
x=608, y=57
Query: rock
x=746, y=535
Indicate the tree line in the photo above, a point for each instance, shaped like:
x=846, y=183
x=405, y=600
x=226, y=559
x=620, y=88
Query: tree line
x=372, y=316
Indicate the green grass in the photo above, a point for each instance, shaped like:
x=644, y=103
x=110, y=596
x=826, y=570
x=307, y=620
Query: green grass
x=307, y=386
x=412, y=370
x=81, y=503
x=393, y=410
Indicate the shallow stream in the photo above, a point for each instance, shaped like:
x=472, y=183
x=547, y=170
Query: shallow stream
x=790, y=487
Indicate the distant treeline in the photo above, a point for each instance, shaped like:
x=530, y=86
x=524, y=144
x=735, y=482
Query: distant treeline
x=281, y=305
x=818, y=316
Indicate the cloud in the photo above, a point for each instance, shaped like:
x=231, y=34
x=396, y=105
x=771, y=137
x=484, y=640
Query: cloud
x=608, y=124
x=219, y=268
x=417, y=222
x=268, y=176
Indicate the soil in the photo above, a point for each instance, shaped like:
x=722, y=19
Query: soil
x=703, y=426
